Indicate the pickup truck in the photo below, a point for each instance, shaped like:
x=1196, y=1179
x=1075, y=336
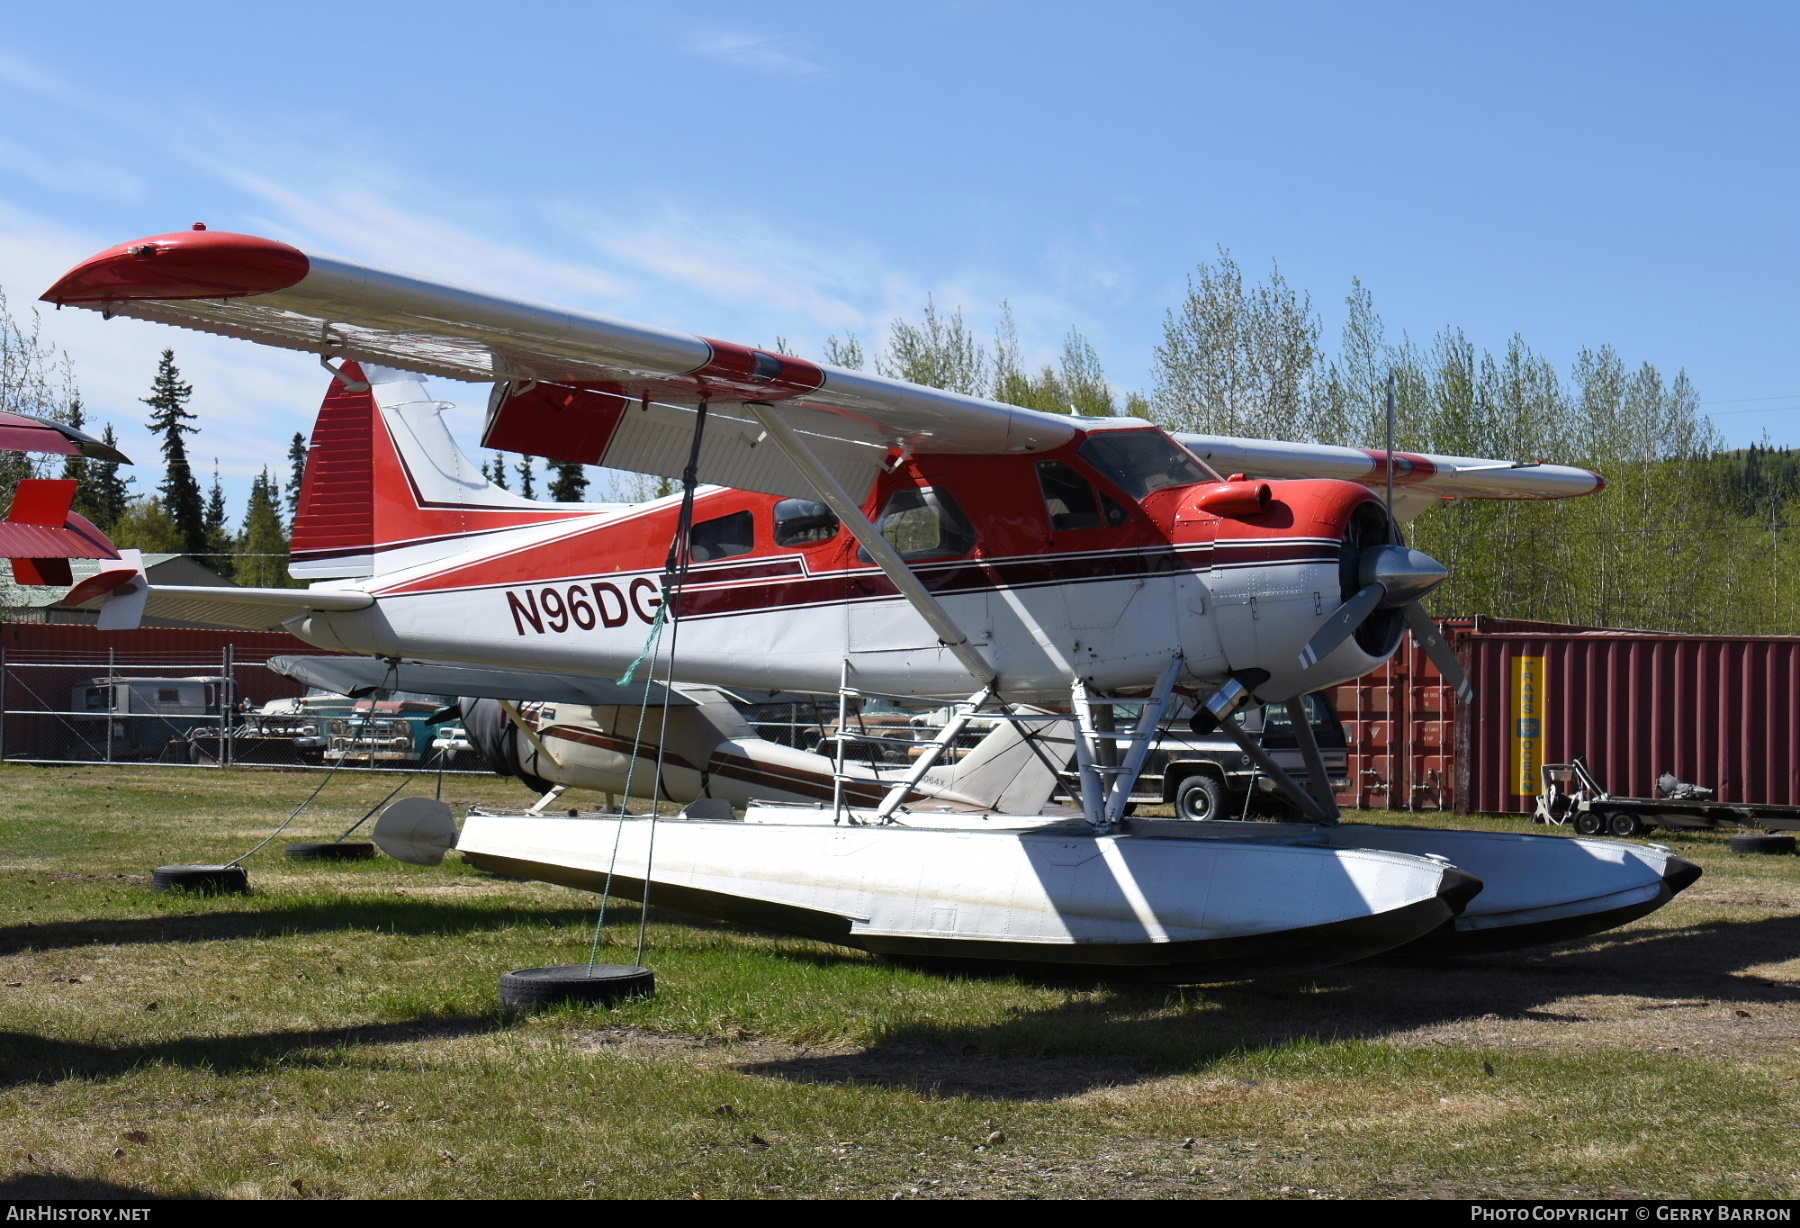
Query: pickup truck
x=1206, y=776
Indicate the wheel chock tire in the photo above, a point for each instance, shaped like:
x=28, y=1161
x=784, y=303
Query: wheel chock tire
x=332, y=850
x=211, y=880
x=530, y=988
x=1762, y=843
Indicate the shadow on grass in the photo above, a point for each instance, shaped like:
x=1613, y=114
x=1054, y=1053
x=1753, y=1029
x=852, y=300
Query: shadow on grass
x=51, y=1184
x=1139, y=1030
x=27, y=1058
x=395, y=916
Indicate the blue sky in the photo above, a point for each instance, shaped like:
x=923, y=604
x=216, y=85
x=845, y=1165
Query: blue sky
x=1577, y=173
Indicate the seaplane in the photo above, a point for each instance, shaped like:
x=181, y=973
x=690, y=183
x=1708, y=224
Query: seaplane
x=843, y=533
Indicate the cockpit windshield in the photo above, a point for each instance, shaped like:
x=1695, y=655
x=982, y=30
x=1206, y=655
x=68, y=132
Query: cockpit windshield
x=1143, y=461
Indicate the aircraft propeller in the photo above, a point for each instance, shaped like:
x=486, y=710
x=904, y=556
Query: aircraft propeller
x=1390, y=576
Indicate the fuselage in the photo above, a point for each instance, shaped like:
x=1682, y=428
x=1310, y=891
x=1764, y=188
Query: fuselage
x=1060, y=565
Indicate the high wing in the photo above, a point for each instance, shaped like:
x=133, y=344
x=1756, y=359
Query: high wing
x=634, y=386
x=357, y=676
x=1422, y=480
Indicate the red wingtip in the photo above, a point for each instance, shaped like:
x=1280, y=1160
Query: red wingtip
x=185, y=264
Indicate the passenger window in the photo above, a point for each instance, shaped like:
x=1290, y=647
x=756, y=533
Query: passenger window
x=925, y=523
x=1070, y=500
x=722, y=538
x=801, y=522
x=1142, y=461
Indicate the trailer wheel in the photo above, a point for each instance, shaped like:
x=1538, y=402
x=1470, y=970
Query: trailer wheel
x=1763, y=843
x=1587, y=823
x=1200, y=798
x=1623, y=824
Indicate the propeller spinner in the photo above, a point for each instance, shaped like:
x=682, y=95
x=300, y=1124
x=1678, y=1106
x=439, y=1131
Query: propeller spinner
x=1389, y=576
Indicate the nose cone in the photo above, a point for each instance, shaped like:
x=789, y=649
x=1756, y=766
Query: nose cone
x=185, y=265
x=1405, y=573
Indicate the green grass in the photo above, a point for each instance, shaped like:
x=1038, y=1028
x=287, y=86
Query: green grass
x=339, y=1029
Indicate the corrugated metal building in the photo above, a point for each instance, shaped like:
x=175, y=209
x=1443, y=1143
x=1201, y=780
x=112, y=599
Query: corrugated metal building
x=1716, y=710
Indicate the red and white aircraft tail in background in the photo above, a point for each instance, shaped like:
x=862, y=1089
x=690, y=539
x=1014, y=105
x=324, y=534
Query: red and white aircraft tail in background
x=42, y=532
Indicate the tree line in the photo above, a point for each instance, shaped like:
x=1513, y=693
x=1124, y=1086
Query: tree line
x=1687, y=536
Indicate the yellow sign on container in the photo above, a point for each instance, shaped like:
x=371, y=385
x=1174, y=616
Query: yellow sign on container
x=1528, y=724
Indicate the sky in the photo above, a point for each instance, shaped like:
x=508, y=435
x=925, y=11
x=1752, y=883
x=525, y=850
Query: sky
x=1577, y=173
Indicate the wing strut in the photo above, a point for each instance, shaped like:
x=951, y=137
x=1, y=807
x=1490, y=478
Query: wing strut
x=885, y=556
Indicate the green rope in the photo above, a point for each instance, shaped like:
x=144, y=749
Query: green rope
x=650, y=646
x=656, y=625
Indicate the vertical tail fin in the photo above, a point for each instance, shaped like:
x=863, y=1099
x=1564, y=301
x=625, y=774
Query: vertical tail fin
x=387, y=487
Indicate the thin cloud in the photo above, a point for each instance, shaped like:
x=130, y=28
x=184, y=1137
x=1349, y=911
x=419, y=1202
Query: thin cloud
x=754, y=51
x=80, y=176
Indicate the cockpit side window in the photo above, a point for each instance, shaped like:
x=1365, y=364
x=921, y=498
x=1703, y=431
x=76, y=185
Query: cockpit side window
x=924, y=522
x=1071, y=502
x=802, y=522
x=1141, y=461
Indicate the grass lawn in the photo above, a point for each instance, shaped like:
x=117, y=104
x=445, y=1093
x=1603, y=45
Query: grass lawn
x=336, y=1034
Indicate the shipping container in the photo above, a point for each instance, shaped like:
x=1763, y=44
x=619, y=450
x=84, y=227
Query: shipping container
x=1715, y=710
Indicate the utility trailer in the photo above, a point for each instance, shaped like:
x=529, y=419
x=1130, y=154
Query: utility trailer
x=1571, y=795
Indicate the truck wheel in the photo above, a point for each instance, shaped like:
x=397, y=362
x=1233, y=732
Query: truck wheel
x=1762, y=844
x=1588, y=823
x=1623, y=825
x=1199, y=799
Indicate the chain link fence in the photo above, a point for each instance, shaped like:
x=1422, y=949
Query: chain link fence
x=228, y=710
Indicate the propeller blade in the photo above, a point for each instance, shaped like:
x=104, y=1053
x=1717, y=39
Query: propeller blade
x=1341, y=625
x=1432, y=641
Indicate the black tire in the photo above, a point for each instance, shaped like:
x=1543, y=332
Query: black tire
x=529, y=988
x=332, y=850
x=1762, y=843
x=1587, y=823
x=208, y=880
x=1200, y=798
x=1623, y=825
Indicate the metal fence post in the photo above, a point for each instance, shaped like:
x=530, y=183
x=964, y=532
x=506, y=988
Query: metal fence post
x=225, y=702
x=112, y=699
x=2, y=705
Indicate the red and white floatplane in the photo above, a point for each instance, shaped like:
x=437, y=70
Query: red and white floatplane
x=844, y=534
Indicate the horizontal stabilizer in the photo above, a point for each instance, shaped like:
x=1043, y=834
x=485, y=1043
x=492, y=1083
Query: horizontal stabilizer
x=248, y=609
x=358, y=676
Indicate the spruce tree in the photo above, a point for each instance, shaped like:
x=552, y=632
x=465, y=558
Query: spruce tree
x=263, y=549
x=104, y=493
x=76, y=467
x=570, y=483
x=526, y=486
x=219, y=545
x=296, y=475
x=497, y=472
x=169, y=417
